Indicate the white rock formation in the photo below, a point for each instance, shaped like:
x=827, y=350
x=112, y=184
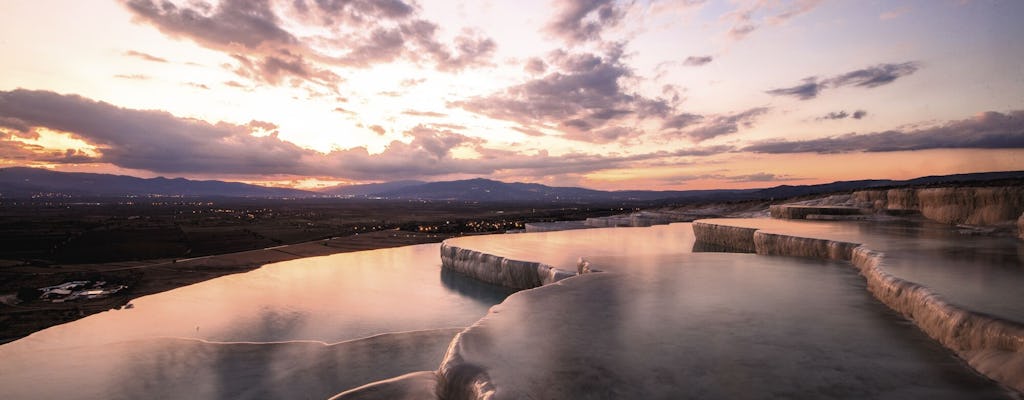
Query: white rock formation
x=498, y=270
x=993, y=346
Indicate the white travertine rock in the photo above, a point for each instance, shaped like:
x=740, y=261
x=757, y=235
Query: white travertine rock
x=696, y=326
x=993, y=346
x=514, y=274
x=951, y=205
x=1020, y=226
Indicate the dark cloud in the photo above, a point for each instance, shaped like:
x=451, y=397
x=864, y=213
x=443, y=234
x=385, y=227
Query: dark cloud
x=875, y=76
x=275, y=69
x=152, y=140
x=725, y=124
x=343, y=111
x=843, y=115
x=870, y=77
x=144, y=56
x=756, y=177
x=582, y=94
x=535, y=66
x=249, y=24
x=470, y=50
x=380, y=45
x=378, y=129
x=579, y=21
x=13, y=150
x=364, y=33
x=602, y=135
x=696, y=61
x=14, y=123
x=990, y=130
x=160, y=142
x=247, y=30
x=330, y=12
x=682, y=120
x=804, y=91
x=700, y=151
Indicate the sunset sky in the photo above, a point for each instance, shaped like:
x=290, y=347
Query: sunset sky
x=672, y=94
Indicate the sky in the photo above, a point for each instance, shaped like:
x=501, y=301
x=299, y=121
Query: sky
x=640, y=94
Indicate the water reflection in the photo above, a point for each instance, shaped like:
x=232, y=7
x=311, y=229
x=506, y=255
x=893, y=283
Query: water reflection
x=260, y=334
x=563, y=249
x=484, y=293
x=978, y=272
x=712, y=326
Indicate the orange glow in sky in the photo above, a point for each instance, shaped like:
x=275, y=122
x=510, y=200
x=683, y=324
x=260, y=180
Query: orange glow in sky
x=603, y=94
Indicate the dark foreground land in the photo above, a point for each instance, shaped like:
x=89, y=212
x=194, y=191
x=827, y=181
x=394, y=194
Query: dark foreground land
x=157, y=244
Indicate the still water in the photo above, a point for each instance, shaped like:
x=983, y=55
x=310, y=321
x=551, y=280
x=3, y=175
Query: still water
x=712, y=326
x=297, y=329
x=705, y=324
x=976, y=272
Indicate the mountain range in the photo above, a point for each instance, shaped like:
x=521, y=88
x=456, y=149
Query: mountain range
x=20, y=182
x=26, y=182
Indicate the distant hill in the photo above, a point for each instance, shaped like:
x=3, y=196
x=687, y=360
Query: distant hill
x=25, y=182
x=486, y=190
x=490, y=191
x=367, y=189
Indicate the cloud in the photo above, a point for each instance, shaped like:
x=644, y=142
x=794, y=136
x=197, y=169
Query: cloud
x=430, y=114
x=681, y=120
x=809, y=89
x=331, y=12
x=696, y=61
x=875, y=76
x=753, y=14
x=580, y=21
x=260, y=36
x=870, y=77
x=12, y=150
x=378, y=129
x=581, y=94
x=249, y=24
x=528, y=131
x=160, y=142
x=756, y=177
x=842, y=114
x=152, y=140
x=760, y=177
x=535, y=66
x=701, y=151
x=144, y=56
x=725, y=124
x=989, y=130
